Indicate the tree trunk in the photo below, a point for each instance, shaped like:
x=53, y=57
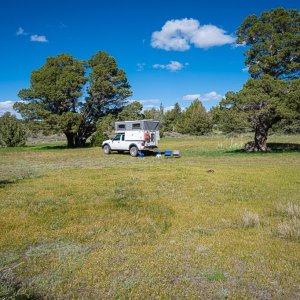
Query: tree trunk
x=261, y=136
x=70, y=139
x=79, y=141
x=260, y=139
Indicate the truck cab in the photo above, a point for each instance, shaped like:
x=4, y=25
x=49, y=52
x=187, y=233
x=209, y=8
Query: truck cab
x=133, y=136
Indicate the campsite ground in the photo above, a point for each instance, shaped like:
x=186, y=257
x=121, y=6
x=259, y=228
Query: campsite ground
x=78, y=224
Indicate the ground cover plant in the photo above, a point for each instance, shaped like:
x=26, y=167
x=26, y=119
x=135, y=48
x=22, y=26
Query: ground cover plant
x=216, y=223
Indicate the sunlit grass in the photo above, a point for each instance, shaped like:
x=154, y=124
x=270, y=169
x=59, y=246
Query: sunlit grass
x=79, y=224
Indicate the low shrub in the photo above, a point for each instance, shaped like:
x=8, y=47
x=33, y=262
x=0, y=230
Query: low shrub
x=98, y=138
x=12, y=131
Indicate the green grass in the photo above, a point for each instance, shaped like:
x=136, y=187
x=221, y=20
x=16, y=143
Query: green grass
x=78, y=224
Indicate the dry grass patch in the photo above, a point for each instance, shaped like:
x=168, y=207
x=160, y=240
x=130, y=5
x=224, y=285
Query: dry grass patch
x=289, y=230
x=289, y=210
x=250, y=219
x=289, y=227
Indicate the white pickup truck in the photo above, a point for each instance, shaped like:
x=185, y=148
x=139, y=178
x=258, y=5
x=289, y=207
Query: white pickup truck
x=133, y=136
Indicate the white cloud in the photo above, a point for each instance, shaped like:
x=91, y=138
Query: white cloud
x=246, y=69
x=148, y=107
x=243, y=44
x=172, y=66
x=211, y=96
x=179, y=35
x=62, y=25
x=203, y=97
x=7, y=106
x=38, y=38
x=147, y=101
x=168, y=108
x=140, y=66
x=20, y=31
x=191, y=97
x=33, y=37
x=172, y=106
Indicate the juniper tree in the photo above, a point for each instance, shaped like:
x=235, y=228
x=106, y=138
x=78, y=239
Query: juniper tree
x=55, y=96
x=273, y=58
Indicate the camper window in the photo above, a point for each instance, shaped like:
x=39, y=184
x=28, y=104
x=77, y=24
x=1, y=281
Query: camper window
x=136, y=126
x=121, y=126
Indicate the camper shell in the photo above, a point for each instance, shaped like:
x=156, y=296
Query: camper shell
x=133, y=136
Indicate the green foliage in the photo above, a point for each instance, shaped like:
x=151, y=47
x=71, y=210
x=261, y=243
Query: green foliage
x=98, y=138
x=195, y=120
x=133, y=111
x=12, y=131
x=105, y=127
x=108, y=88
x=287, y=126
x=152, y=113
x=55, y=88
x=215, y=276
x=227, y=120
x=171, y=118
x=54, y=97
x=106, y=124
x=274, y=43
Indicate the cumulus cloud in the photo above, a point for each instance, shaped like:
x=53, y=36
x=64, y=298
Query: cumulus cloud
x=7, y=106
x=38, y=38
x=211, y=96
x=203, y=97
x=172, y=66
x=179, y=35
x=148, y=107
x=191, y=97
x=147, y=101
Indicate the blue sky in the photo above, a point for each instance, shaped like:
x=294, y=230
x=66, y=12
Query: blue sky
x=172, y=50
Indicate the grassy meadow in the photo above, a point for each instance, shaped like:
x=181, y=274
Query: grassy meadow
x=216, y=223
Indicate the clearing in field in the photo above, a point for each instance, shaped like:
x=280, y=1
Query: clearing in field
x=78, y=224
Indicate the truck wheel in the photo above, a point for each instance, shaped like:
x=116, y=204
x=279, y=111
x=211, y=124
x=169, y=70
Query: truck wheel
x=106, y=149
x=134, y=151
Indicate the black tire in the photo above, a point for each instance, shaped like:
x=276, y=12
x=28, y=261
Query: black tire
x=106, y=149
x=134, y=151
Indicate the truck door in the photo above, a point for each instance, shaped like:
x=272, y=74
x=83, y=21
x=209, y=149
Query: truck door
x=117, y=142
